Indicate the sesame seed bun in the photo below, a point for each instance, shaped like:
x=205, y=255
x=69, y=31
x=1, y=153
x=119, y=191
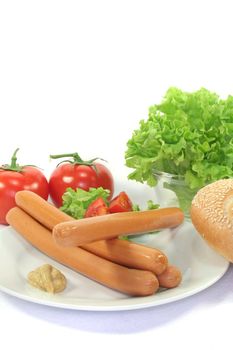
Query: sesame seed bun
x=212, y=216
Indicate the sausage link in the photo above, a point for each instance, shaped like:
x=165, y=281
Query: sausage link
x=130, y=281
x=41, y=210
x=129, y=254
x=116, y=250
x=170, y=278
x=83, y=231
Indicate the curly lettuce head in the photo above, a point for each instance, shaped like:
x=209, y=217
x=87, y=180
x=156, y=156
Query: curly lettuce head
x=187, y=134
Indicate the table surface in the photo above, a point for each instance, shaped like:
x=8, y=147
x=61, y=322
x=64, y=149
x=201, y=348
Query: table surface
x=79, y=76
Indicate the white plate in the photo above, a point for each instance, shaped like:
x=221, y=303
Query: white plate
x=201, y=267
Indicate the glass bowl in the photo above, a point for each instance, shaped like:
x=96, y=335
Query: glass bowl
x=172, y=191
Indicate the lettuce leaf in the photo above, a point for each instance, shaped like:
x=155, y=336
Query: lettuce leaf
x=187, y=134
x=75, y=203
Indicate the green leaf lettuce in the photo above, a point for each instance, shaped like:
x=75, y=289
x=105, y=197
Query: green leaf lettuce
x=75, y=203
x=187, y=134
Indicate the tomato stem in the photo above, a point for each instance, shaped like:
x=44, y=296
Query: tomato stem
x=14, y=165
x=76, y=159
x=75, y=156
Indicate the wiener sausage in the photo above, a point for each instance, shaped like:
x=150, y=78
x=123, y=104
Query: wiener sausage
x=170, y=278
x=117, y=250
x=130, y=281
x=41, y=210
x=83, y=231
x=129, y=254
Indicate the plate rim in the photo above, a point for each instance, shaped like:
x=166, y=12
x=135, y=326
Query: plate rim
x=125, y=304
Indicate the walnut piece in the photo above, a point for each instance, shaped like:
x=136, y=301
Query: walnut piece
x=47, y=278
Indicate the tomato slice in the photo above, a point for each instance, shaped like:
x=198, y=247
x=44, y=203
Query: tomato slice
x=120, y=203
x=96, y=208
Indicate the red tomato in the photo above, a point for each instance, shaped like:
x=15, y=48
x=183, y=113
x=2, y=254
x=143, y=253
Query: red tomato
x=12, y=181
x=120, y=203
x=78, y=174
x=96, y=208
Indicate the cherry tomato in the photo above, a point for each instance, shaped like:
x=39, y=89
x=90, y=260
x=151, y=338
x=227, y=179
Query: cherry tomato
x=96, y=208
x=78, y=174
x=120, y=203
x=14, y=178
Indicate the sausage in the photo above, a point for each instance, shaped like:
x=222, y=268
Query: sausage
x=130, y=281
x=83, y=231
x=117, y=250
x=129, y=254
x=41, y=210
x=170, y=278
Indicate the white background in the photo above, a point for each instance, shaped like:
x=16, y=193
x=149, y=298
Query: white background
x=78, y=76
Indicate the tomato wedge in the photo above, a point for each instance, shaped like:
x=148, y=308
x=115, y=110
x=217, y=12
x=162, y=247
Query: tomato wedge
x=96, y=208
x=120, y=203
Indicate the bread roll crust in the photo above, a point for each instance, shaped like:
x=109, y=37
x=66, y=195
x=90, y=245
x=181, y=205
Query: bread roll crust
x=212, y=216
